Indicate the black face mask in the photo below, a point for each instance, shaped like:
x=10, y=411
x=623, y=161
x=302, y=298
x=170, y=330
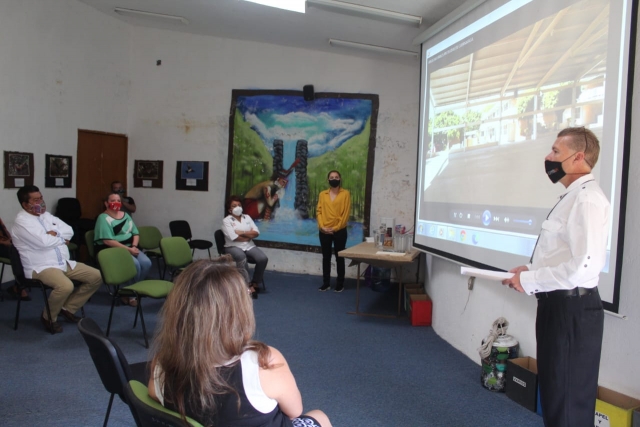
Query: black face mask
x=554, y=169
x=334, y=182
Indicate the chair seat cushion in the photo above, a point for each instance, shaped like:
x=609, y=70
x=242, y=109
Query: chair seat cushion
x=200, y=244
x=5, y=260
x=151, y=288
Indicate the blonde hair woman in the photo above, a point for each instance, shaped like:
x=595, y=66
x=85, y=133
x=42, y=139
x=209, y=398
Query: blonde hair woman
x=206, y=365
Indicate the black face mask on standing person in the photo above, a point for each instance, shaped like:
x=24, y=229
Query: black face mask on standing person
x=554, y=169
x=334, y=182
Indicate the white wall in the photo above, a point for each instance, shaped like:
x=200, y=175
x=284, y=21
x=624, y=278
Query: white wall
x=465, y=329
x=64, y=66
x=180, y=111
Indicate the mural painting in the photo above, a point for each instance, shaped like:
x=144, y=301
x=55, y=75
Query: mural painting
x=281, y=149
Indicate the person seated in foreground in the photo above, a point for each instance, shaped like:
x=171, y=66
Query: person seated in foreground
x=116, y=229
x=42, y=241
x=205, y=364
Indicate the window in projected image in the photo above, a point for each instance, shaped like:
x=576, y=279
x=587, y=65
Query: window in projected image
x=494, y=96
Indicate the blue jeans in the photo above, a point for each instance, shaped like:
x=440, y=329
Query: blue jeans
x=143, y=265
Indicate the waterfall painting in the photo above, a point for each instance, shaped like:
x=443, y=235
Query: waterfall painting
x=281, y=149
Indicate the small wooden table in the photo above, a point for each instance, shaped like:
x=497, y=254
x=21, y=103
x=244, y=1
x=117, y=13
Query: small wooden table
x=368, y=253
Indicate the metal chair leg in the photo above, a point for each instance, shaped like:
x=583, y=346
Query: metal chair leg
x=209, y=253
x=113, y=304
x=135, y=319
x=144, y=328
x=106, y=417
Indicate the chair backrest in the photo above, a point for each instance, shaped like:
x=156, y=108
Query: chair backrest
x=180, y=228
x=150, y=237
x=176, y=252
x=149, y=413
x=109, y=360
x=16, y=264
x=219, y=238
x=88, y=240
x=116, y=265
x=68, y=209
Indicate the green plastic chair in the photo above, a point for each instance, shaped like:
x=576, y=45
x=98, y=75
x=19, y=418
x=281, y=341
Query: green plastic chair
x=149, y=413
x=176, y=253
x=117, y=268
x=149, y=242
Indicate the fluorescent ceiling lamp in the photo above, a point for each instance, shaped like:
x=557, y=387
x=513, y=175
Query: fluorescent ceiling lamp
x=366, y=10
x=151, y=15
x=372, y=47
x=292, y=5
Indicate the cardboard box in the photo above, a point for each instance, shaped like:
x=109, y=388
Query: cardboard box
x=614, y=409
x=409, y=289
x=522, y=382
x=420, y=309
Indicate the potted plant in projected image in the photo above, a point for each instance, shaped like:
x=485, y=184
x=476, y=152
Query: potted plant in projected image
x=525, y=105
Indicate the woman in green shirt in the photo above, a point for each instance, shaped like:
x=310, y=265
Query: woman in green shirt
x=114, y=229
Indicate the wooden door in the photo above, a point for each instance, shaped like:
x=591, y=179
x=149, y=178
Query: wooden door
x=102, y=159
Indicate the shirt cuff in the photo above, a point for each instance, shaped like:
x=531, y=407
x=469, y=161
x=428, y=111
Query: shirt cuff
x=528, y=282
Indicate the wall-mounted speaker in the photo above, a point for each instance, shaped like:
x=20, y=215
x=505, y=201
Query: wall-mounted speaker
x=307, y=92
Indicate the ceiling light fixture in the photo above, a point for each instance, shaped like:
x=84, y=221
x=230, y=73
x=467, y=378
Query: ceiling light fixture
x=151, y=15
x=292, y=5
x=366, y=10
x=372, y=47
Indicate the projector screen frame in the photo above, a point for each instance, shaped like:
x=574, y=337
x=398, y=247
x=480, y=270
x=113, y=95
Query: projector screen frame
x=621, y=194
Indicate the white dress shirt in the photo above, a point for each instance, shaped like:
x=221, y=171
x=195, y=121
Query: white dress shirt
x=230, y=226
x=572, y=247
x=39, y=250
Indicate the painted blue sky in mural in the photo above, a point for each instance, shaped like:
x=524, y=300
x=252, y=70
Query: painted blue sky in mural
x=325, y=123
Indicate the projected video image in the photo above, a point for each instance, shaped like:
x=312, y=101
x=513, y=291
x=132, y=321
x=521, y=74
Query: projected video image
x=494, y=96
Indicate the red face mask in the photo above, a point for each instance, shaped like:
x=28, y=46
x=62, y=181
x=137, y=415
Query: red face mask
x=115, y=206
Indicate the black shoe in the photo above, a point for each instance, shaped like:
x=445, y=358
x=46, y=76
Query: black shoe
x=52, y=327
x=339, y=288
x=324, y=287
x=70, y=317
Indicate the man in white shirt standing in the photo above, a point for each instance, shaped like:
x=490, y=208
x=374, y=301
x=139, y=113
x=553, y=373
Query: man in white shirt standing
x=42, y=240
x=563, y=274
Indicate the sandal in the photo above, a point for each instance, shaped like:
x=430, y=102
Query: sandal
x=255, y=287
x=131, y=301
x=13, y=292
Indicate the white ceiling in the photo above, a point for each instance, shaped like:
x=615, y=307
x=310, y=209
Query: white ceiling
x=244, y=20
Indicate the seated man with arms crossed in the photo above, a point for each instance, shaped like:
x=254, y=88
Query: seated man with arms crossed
x=42, y=240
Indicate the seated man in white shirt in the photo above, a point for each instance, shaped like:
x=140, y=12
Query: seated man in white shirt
x=42, y=240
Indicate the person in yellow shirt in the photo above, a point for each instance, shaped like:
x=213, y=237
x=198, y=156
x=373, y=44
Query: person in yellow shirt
x=332, y=214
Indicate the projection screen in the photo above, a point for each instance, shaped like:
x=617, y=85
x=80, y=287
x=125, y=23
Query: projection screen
x=496, y=88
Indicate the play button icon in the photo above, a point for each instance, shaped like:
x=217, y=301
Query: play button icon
x=486, y=218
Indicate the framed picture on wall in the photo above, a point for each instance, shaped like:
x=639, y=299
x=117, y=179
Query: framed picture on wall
x=148, y=173
x=58, y=171
x=18, y=169
x=192, y=176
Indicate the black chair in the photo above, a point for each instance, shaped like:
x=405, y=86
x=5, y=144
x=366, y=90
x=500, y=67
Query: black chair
x=181, y=228
x=219, y=238
x=23, y=283
x=68, y=210
x=112, y=365
x=149, y=413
